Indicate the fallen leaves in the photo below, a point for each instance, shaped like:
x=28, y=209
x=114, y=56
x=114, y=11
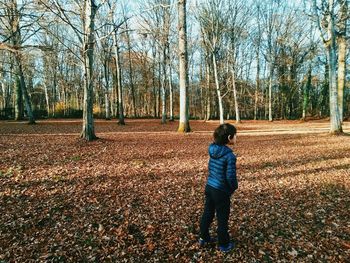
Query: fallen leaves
x=138, y=196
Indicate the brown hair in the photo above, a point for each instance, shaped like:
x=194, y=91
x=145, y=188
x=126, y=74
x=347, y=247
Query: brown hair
x=222, y=132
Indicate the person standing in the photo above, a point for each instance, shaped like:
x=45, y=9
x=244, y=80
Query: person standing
x=221, y=184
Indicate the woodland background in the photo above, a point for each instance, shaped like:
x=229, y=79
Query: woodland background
x=254, y=59
x=278, y=69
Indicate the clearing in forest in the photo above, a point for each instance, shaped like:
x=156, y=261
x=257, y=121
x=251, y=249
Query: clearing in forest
x=136, y=194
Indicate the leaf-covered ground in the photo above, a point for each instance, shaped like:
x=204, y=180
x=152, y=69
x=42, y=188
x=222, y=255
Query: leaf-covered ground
x=136, y=194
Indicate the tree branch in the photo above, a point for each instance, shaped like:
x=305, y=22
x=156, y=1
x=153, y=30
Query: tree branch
x=63, y=16
x=318, y=23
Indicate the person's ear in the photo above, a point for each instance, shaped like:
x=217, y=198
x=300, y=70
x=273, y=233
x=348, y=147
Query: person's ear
x=234, y=139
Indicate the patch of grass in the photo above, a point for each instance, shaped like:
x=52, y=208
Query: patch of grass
x=58, y=178
x=268, y=164
x=56, y=209
x=282, y=233
x=54, y=258
x=74, y=158
x=138, y=163
x=46, y=221
x=267, y=258
x=7, y=173
x=332, y=191
x=11, y=171
x=135, y=231
x=90, y=242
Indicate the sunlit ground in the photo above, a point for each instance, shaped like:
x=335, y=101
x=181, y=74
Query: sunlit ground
x=136, y=194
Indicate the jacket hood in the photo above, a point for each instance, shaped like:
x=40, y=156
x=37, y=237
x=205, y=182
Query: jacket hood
x=217, y=151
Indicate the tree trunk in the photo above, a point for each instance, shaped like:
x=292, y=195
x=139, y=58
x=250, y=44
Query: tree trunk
x=54, y=91
x=163, y=83
x=19, y=101
x=238, y=119
x=208, y=108
x=221, y=110
x=154, y=53
x=171, y=100
x=306, y=94
x=330, y=45
x=159, y=97
x=341, y=75
x=16, y=41
x=257, y=66
x=119, y=81
x=77, y=103
x=25, y=94
x=270, y=92
x=3, y=91
x=47, y=99
x=132, y=86
x=107, y=107
x=336, y=126
x=107, y=100
x=201, y=81
x=114, y=96
x=333, y=93
x=184, y=125
x=170, y=81
x=88, y=132
x=10, y=90
x=342, y=56
x=166, y=57
x=257, y=85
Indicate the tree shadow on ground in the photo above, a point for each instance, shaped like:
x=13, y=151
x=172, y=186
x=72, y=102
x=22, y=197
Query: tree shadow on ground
x=303, y=225
x=100, y=218
x=295, y=173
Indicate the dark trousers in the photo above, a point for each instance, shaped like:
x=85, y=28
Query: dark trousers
x=216, y=201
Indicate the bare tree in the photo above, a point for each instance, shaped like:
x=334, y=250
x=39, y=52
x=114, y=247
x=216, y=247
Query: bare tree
x=326, y=26
x=6, y=83
x=257, y=43
x=271, y=33
x=237, y=30
x=166, y=12
x=88, y=43
x=341, y=37
x=170, y=80
x=131, y=75
x=184, y=125
x=212, y=18
x=156, y=23
x=85, y=33
x=14, y=42
x=134, y=62
x=106, y=57
x=306, y=93
x=121, y=120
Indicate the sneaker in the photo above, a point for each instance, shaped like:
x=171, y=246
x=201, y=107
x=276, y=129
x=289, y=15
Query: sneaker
x=203, y=242
x=226, y=248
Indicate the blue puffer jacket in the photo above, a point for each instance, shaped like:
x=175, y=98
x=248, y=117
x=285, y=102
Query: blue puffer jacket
x=222, y=168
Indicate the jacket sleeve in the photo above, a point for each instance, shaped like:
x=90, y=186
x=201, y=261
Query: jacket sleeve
x=231, y=177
